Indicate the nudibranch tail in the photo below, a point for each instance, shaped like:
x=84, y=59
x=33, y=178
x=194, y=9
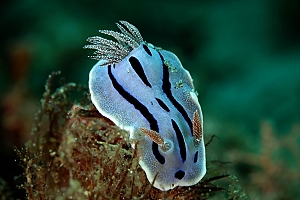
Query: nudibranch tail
x=197, y=128
x=114, y=52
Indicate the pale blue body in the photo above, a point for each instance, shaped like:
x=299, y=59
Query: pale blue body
x=110, y=103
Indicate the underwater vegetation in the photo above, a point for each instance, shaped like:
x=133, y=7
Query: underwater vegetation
x=76, y=153
x=274, y=175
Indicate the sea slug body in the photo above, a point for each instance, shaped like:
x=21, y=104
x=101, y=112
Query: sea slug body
x=146, y=91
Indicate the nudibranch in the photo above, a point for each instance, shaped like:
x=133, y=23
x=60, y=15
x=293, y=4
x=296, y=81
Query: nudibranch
x=146, y=91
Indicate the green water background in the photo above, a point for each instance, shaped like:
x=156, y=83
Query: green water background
x=244, y=57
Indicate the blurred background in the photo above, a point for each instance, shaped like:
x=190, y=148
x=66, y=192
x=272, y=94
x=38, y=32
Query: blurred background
x=244, y=57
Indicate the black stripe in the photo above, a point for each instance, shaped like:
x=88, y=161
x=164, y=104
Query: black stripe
x=147, y=50
x=136, y=65
x=179, y=174
x=196, y=157
x=143, y=110
x=180, y=140
x=156, y=153
x=167, y=90
x=162, y=104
